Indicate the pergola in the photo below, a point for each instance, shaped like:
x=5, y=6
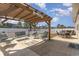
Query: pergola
x=23, y=11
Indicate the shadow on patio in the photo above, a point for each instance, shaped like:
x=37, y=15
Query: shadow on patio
x=44, y=48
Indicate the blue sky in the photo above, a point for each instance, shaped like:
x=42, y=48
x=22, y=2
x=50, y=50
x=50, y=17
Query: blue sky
x=60, y=12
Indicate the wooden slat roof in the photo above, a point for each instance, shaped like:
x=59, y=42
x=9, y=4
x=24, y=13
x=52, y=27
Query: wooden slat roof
x=22, y=12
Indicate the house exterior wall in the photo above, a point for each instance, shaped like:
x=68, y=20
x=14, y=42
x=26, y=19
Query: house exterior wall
x=75, y=14
x=77, y=26
x=75, y=9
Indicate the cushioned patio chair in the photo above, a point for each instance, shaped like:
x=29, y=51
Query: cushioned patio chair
x=3, y=36
x=20, y=34
x=45, y=34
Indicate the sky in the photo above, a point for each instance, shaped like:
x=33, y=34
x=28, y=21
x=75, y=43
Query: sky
x=60, y=13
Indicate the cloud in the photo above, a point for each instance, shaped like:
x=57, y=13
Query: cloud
x=61, y=12
x=55, y=19
x=67, y=4
x=41, y=5
x=41, y=24
x=70, y=9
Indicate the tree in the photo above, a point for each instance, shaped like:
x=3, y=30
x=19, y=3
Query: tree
x=60, y=26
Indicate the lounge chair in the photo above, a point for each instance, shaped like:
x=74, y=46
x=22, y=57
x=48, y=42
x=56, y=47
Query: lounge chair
x=35, y=34
x=3, y=37
x=57, y=33
x=20, y=34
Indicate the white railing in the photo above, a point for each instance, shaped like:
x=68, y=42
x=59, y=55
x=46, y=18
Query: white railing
x=11, y=31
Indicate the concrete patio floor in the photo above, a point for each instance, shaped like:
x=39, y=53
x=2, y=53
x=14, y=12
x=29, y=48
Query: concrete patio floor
x=36, y=47
x=73, y=39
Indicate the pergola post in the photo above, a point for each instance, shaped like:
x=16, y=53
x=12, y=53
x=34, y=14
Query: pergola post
x=49, y=30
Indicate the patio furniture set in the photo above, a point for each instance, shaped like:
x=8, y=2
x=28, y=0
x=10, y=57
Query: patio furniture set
x=4, y=36
x=66, y=33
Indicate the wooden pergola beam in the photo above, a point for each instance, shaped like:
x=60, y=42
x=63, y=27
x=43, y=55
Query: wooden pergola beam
x=22, y=6
x=29, y=16
x=18, y=13
x=38, y=20
x=25, y=15
x=32, y=17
